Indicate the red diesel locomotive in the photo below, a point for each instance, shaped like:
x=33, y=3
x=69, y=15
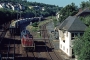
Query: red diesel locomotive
x=27, y=40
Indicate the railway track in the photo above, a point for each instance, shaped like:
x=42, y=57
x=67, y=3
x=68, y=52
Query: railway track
x=9, y=52
x=51, y=53
x=44, y=35
x=50, y=44
x=28, y=55
x=2, y=36
x=31, y=55
x=45, y=51
x=3, y=33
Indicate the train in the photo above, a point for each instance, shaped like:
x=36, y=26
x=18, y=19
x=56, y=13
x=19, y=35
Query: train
x=18, y=25
x=27, y=41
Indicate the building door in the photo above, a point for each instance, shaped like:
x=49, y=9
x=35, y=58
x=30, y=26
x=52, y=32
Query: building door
x=73, y=55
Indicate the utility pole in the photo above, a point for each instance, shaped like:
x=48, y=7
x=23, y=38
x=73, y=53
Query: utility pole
x=20, y=14
x=17, y=14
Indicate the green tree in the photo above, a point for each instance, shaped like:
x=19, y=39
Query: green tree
x=85, y=4
x=6, y=15
x=49, y=9
x=82, y=46
x=35, y=24
x=69, y=10
x=86, y=20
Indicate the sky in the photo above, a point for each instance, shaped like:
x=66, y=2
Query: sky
x=60, y=3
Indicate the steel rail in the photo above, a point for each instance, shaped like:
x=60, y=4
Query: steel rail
x=1, y=38
x=52, y=47
x=13, y=56
x=32, y=54
x=45, y=42
x=8, y=51
x=45, y=32
x=14, y=48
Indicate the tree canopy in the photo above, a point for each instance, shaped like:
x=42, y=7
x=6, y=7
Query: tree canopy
x=69, y=10
x=85, y=4
x=49, y=9
x=27, y=13
x=82, y=46
x=86, y=20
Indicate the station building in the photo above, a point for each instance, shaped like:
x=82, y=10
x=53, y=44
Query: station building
x=68, y=30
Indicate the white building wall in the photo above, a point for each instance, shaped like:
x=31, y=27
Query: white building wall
x=1, y=6
x=69, y=42
x=65, y=46
x=57, y=15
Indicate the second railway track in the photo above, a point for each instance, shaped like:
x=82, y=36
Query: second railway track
x=51, y=53
x=8, y=50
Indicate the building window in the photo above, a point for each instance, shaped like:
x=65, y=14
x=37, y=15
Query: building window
x=64, y=41
x=76, y=34
x=81, y=34
x=67, y=50
x=61, y=45
x=73, y=35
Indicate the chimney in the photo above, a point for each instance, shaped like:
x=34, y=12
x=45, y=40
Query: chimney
x=80, y=9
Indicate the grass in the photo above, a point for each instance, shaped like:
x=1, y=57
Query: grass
x=44, y=22
x=34, y=30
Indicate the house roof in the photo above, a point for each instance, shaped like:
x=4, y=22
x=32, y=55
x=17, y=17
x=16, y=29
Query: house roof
x=72, y=23
x=83, y=11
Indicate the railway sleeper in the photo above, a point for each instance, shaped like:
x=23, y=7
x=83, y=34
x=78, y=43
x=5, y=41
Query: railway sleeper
x=28, y=49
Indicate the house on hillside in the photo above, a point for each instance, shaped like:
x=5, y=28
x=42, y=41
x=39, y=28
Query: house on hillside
x=84, y=12
x=68, y=29
x=35, y=7
x=1, y=6
x=57, y=16
x=18, y=7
